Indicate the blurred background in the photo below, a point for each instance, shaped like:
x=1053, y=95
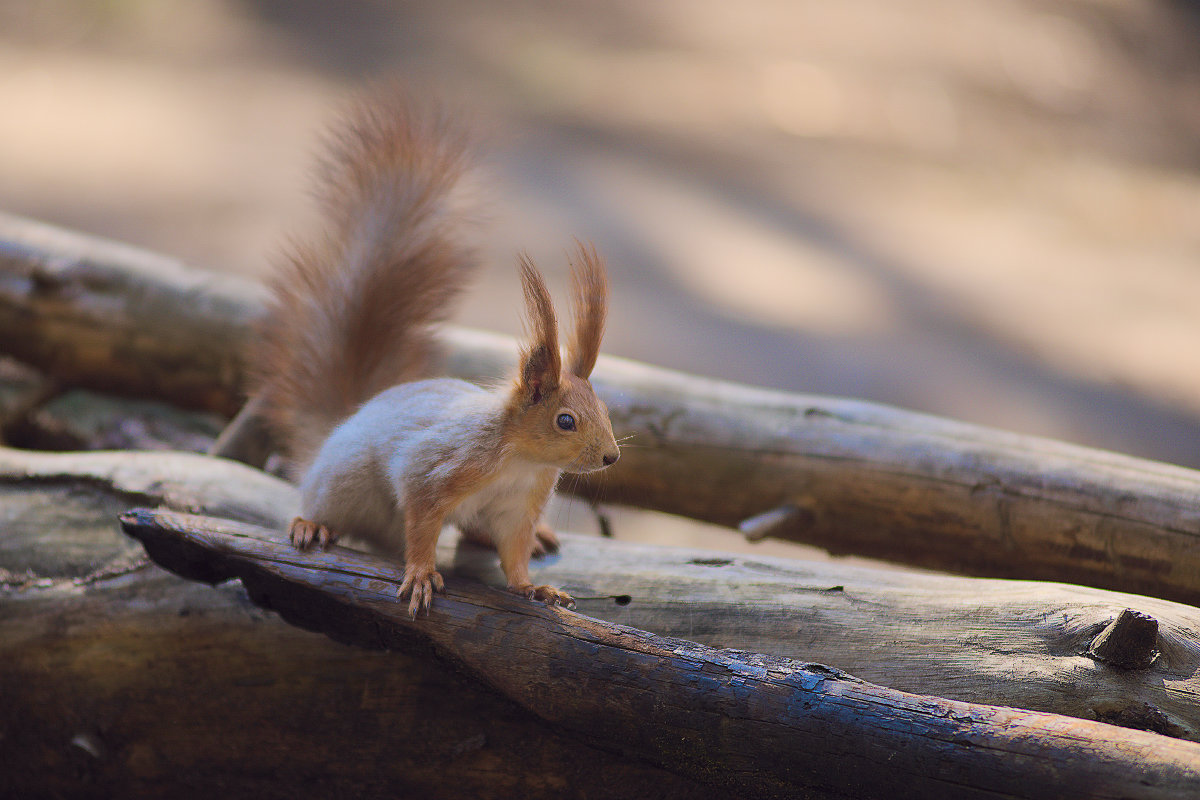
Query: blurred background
x=984, y=209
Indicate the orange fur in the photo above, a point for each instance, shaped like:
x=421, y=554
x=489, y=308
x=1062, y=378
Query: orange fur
x=354, y=301
x=544, y=389
x=590, y=308
x=540, y=359
x=352, y=317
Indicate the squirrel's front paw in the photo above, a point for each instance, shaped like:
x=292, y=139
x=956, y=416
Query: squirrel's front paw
x=421, y=582
x=304, y=533
x=547, y=594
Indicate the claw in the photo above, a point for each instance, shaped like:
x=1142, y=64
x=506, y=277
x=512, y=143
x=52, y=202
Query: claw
x=304, y=533
x=325, y=537
x=420, y=583
x=547, y=594
x=301, y=533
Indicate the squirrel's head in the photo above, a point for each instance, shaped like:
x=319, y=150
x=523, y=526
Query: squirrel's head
x=559, y=419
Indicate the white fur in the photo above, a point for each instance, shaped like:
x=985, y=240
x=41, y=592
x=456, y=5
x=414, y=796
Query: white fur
x=404, y=436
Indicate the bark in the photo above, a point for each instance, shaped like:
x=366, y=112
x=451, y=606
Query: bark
x=849, y=476
x=861, y=478
x=108, y=316
x=1033, y=645
x=136, y=683
x=755, y=724
x=122, y=680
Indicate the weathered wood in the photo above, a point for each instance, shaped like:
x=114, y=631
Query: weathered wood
x=140, y=669
x=183, y=481
x=1016, y=643
x=752, y=723
x=1002, y=642
x=862, y=478
x=112, y=317
x=118, y=679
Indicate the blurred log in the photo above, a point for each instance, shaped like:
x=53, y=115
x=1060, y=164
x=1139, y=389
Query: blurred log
x=107, y=316
x=849, y=476
x=22, y=389
x=81, y=419
x=861, y=478
x=750, y=723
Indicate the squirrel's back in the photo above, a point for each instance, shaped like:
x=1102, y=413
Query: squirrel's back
x=355, y=300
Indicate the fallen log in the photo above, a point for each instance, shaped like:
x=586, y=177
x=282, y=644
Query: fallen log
x=848, y=476
x=108, y=316
x=861, y=478
x=180, y=481
x=1015, y=643
x=751, y=723
x=119, y=679
x=137, y=683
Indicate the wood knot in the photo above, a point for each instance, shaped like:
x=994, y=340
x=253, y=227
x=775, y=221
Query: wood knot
x=1128, y=642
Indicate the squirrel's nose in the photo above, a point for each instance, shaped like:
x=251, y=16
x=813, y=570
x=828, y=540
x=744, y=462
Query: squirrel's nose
x=611, y=458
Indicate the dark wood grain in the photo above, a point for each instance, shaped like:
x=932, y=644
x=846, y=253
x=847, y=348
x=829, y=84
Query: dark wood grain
x=143, y=685
x=758, y=724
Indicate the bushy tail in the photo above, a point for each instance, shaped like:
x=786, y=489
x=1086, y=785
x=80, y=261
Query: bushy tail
x=355, y=300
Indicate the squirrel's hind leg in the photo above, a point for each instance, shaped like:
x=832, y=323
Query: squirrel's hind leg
x=305, y=533
x=545, y=540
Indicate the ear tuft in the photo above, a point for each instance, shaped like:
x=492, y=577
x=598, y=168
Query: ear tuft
x=541, y=364
x=536, y=366
x=590, y=308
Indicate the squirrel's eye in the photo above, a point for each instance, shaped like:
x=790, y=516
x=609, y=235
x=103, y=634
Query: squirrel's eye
x=566, y=422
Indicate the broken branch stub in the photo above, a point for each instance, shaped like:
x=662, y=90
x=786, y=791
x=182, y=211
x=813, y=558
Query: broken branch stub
x=1128, y=642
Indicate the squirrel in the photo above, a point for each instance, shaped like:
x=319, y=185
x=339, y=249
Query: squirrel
x=384, y=453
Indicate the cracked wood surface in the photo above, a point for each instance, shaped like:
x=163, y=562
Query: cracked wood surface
x=131, y=682
x=758, y=724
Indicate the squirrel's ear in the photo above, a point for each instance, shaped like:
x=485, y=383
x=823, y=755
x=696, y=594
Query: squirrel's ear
x=590, y=309
x=541, y=364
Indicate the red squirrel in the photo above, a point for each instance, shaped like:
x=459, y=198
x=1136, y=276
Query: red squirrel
x=384, y=453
